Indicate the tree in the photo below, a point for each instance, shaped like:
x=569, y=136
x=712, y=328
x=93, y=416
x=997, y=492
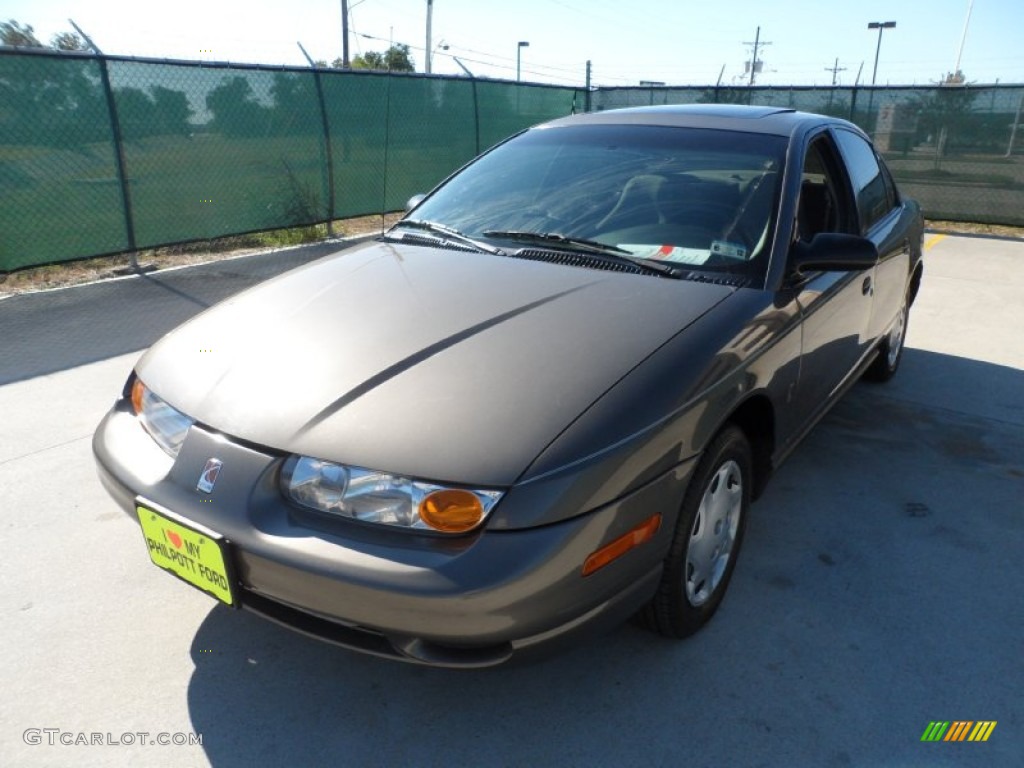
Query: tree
x=369, y=60
x=135, y=113
x=48, y=100
x=171, y=110
x=945, y=115
x=67, y=41
x=20, y=36
x=295, y=107
x=235, y=109
x=394, y=59
x=161, y=112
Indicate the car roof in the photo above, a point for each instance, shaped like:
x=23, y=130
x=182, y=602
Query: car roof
x=730, y=117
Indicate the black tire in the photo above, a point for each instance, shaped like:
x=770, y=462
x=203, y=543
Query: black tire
x=678, y=610
x=890, y=351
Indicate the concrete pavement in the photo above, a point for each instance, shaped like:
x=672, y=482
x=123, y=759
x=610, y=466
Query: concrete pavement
x=878, y=590
x=56, y=330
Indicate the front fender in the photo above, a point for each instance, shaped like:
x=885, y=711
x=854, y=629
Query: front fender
x=662, y=413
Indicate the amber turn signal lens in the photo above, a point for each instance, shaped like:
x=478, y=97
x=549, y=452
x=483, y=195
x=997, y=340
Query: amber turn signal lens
x=616, y=549
x=138, y=392
x=451, y=510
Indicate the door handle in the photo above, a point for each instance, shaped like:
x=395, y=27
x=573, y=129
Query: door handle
x=865, y=287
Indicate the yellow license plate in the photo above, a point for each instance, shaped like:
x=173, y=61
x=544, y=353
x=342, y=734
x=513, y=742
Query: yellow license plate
x=195, y=557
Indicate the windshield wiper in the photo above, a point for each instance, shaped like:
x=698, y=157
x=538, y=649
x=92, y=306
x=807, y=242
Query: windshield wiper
x=447, y=233
x=596, y=247
x=556, y=237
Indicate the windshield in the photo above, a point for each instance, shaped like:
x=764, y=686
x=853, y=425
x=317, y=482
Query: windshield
x=698, y=198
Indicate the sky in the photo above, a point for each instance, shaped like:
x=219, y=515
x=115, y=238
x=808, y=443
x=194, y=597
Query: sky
x=678, y=42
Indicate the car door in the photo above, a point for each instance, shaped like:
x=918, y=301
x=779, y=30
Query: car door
x=835, y=306
x=881, y=221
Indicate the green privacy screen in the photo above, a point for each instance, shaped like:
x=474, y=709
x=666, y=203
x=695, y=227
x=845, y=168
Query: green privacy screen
x=102, y=155
x=212, y=151
x=60, y=194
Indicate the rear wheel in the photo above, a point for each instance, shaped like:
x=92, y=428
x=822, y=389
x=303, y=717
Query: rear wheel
x=707, y=539
x=890, y=351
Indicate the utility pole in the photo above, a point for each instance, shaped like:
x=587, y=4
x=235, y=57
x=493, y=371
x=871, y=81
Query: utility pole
x=344, y=35
x=754, y=60
x=586, y=97
x=835, y=69
x=430, y=14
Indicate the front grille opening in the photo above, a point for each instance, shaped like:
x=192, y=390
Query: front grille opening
x=434, y=242
x=572, y=259
x=731, y=280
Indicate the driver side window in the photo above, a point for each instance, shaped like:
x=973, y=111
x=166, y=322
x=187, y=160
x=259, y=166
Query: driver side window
x=875, y=197
x=822, y=206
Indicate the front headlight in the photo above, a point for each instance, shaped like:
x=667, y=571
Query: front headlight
x=164, y=424
x=381, y=497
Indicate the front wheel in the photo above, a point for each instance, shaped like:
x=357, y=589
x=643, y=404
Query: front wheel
x=707, y=539
x=890, y=351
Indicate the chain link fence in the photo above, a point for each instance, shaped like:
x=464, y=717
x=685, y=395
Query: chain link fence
x=958, y=150
x=103, y=155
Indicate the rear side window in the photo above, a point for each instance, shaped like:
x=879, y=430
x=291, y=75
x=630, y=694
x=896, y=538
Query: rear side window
x=875, y=197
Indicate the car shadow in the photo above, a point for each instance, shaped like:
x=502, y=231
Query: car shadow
x=878, y=557
x=56, y=330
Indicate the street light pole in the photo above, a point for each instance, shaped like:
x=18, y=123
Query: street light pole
x=519, y=58
x=880, y=26
x=430, y=14
x=963, y=39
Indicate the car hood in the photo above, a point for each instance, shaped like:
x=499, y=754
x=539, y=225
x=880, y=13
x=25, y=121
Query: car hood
x=440, y=364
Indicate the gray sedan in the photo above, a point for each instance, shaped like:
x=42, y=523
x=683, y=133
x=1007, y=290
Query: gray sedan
x=541, y=403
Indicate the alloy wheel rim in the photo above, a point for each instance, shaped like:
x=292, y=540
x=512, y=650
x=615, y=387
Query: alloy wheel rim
x=896, y=339
x=713, y=537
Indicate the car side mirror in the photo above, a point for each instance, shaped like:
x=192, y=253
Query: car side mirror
x=413, y=201
x=833, y=252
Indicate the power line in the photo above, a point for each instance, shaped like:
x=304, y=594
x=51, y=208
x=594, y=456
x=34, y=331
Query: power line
x=491, y=60
x=511, y=60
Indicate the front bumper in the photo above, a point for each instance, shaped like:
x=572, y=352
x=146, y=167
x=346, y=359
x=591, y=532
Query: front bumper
x=464, y=601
